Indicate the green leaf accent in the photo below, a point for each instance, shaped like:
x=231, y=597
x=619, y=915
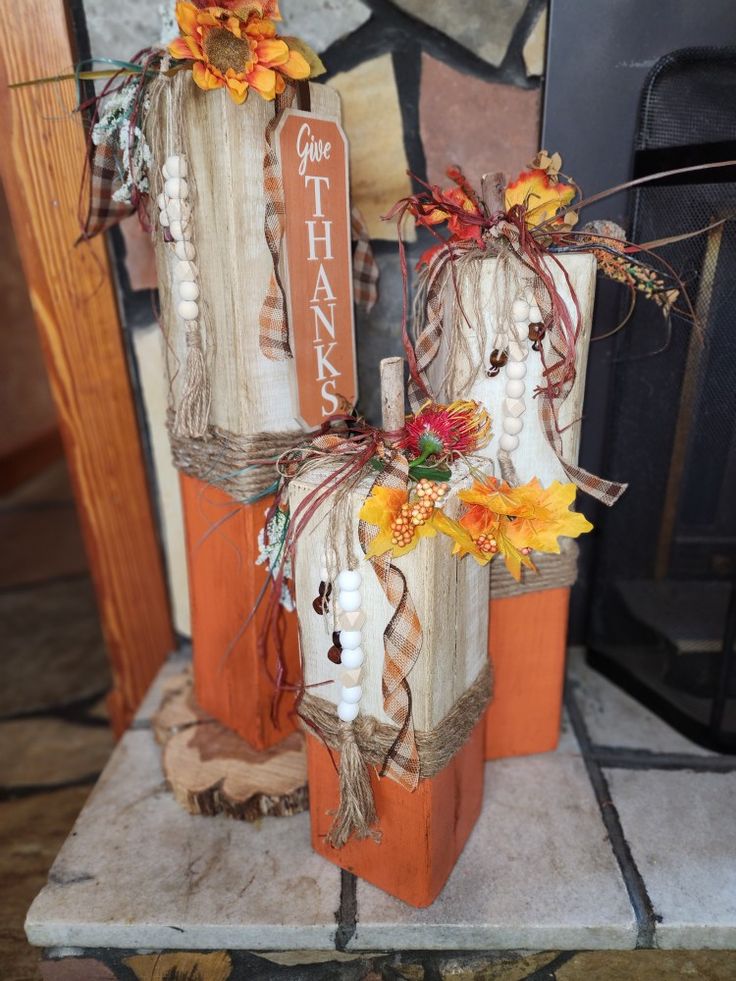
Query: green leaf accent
x=429, y=473
x=376, y=464
x=316, y=68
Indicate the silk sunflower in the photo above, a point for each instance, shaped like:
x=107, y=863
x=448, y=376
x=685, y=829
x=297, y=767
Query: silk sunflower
x=236, y=50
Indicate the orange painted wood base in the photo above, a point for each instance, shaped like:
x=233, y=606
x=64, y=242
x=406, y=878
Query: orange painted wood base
x=422, y=833
x=527, y=642
x=224, y=584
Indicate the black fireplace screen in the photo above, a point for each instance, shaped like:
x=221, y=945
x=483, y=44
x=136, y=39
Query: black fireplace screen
x=663, y=613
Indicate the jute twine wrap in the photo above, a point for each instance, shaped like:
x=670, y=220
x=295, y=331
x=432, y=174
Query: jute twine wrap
x=244, y=466
x=368, y=742
x=554, y=572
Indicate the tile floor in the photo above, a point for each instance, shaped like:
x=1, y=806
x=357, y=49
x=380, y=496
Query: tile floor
x=623, y=836
x=595, y=846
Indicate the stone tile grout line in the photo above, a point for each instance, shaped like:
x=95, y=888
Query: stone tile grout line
x=646, y=917
x=624, y=758
x=347, y=913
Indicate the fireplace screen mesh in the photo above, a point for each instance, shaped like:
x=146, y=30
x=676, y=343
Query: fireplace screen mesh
x=663, y=613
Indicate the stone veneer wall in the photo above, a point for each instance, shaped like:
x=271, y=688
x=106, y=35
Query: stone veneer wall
x=424, y=84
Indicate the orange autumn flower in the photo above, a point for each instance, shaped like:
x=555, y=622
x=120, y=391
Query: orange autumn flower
x=540, y=194
x=235, y=53
x=515, y=521
x=459, y=207
x=401, y=521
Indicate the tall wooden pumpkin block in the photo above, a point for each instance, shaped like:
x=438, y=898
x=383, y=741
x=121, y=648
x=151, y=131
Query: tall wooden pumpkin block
x=225, y=263
x=422, y=831
x=231, y=680
x=528, y=631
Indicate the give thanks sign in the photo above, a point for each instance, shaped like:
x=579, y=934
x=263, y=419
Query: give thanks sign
x=318, y=264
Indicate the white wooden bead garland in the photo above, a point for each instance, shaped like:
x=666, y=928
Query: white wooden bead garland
x=175, y=214
x=522, y=312
x=350, y=619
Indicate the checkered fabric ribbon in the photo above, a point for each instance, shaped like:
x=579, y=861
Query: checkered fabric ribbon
x=104, y=179
x=402, y=643
x=274, y=323
x=605, y=491
x=427, y=344
x=365, y=267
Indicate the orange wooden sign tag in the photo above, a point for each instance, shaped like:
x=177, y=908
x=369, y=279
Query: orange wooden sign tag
x=317, y=264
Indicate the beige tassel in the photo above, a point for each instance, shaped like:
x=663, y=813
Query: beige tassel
x=193, y=413
x=357, y=810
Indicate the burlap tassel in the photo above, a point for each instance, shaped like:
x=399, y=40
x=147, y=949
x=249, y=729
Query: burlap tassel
x=193, y=412
x=356, y=812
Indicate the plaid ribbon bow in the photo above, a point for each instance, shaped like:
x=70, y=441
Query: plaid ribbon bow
x=402, y=640
x=274, y=323
x=104, y=179
x=365, y=267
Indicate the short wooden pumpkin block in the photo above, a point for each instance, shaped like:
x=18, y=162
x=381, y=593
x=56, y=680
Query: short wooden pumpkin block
x=422, y=831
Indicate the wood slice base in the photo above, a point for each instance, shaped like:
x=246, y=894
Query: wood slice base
x=212, y=770
x=527, y=642
x=422, y=833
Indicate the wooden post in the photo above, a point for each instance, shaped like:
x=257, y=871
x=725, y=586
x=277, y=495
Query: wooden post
x=528, y=633
x=251, y=395
x=76, y=313
x=422, y=833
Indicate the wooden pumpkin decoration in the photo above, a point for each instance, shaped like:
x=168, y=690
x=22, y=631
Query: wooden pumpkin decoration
x=402, y=709
x=231, y=236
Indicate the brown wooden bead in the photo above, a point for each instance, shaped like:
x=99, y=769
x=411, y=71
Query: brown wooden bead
x=335, y=655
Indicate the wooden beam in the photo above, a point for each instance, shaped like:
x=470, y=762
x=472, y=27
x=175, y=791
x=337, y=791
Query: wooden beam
x=76, y=312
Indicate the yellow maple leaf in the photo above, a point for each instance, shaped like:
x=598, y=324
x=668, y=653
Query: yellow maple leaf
x=542, y=196
x=381, y=508
x=543, y=515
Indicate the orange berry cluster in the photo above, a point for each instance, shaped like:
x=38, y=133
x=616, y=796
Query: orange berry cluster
x=412, y=515
x=486, y=544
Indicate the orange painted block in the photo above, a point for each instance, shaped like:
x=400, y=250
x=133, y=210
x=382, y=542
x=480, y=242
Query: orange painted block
x=422, y=833
x=231, y=680
x=527, y=641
